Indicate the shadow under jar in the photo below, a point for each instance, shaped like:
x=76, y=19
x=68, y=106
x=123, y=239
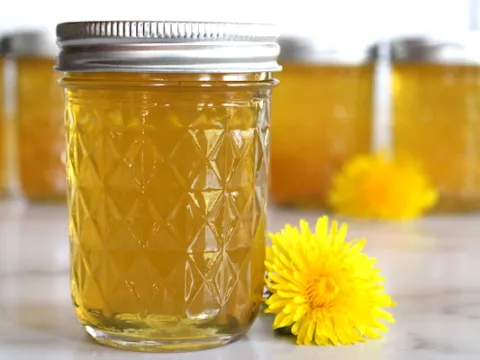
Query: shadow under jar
x=321, y=117
x=436, y=114
x=167, y=171
x=39, y=118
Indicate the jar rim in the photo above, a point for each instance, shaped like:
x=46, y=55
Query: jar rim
x=168, y=81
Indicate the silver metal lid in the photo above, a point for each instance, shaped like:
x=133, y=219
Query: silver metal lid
x=463, y=49
x=314, y=50
x=167, y=47
x=31, y=43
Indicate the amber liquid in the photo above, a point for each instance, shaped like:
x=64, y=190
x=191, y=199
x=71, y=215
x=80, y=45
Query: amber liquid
x=437, y=122
x=41, y=131
x=167, y=207
x=321, y=117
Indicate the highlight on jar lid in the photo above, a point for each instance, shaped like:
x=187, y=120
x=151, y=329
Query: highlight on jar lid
x=36, y=43
x=452, y=48
x=320, y=50
x=167, y=47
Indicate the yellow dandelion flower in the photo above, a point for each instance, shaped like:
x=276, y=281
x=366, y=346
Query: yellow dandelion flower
x=323, y=287
x=374, y=186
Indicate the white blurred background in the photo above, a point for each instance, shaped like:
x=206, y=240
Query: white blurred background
x=352, y=18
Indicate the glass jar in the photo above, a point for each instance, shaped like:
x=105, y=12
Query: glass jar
x=321, y=117
x=167, y=162
x=436, y=121
x=39, y=118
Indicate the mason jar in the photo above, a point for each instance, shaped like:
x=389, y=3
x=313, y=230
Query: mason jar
x=38, y=118
x=167, y=157
x=321, y=116
x=436, y=114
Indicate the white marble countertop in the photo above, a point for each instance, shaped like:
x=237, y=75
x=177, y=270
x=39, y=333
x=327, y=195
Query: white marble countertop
x=432, y=268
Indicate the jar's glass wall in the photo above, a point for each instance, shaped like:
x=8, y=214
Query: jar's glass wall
x=321, y=117
x=40, y=129
x=436, y=118
x=167, y=193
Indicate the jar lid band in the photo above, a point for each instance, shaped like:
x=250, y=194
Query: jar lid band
x=167, y=47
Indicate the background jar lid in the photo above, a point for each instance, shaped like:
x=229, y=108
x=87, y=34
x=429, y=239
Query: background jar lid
x=3, y=45
x=167, y=47
x=318, y=50
x=36, y=43
x=450, y=49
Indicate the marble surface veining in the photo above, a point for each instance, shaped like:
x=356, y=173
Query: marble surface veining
x=432, y=268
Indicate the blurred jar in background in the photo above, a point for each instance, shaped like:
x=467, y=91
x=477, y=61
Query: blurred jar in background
x=3, y=114
x=40, y=118
x=436, y=114
x=321, y=117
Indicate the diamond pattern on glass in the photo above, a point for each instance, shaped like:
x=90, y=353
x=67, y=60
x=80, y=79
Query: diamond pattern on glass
x=167, y=219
